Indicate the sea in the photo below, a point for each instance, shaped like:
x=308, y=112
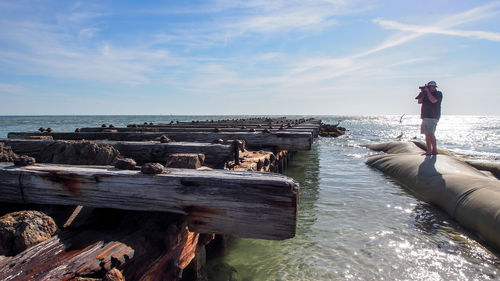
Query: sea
x=354, y=223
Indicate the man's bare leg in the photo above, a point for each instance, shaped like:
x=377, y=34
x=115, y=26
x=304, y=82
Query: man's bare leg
x=433, y=143
x=428, y=142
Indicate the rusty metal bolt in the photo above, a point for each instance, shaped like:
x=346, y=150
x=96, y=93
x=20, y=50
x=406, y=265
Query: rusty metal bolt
x=49, y=130
x=103, y=126
x=125, y=164
x=41, y=129
x=272, y=157
x=165, y=139
x=266, y=162
x=216, y=129
x=77, y=130
x=219, y=141
x=111, y=125
x=24, y=160
x=259, y=165
x=153, y=168
x=201, y=157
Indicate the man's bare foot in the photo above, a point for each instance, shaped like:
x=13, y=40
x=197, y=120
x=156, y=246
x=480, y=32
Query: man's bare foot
x=426, y=153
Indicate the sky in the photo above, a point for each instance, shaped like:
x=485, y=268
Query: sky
x=317, y=57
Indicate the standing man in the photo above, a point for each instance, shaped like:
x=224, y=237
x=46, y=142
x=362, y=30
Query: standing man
x=430, y=114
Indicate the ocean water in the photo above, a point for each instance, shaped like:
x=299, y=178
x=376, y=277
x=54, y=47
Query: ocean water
x=354, y=222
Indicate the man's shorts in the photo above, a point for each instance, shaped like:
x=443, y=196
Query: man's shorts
x=428, y=126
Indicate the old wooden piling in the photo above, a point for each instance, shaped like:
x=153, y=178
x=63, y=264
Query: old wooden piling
x=142, y=152
x=281, y=140
x=244, y=204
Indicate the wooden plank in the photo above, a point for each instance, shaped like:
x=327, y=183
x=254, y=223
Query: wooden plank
x=293, y=141
x=227, y=124
x=314, y=130
x=142, y=152
x=244, y=204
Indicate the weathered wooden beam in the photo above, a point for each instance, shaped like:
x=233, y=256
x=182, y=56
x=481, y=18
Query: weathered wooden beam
x=276, y=129
x=226, y=124
x=293, y=141
x=142, y=152
x=244, y=204
x=150, y=250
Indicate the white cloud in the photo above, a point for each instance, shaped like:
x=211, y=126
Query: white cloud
x=432, y=29
x=475, y=14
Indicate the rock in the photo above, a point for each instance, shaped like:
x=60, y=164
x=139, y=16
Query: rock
x=185, y=160
x=165, y=139
x=24, y=160
x=113, y=275
x=327, y=130
x=23, y=229
x=153, y=168
x=6, y=153
x=125, y=164
x=78, y=153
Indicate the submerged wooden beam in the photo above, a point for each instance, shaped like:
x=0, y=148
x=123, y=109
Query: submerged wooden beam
x=243, y=204
x=142, y=152
x=281, y=140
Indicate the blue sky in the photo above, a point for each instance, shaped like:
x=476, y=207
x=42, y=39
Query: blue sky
x=247, y=57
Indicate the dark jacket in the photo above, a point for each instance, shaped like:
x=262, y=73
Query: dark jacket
x=429, y=109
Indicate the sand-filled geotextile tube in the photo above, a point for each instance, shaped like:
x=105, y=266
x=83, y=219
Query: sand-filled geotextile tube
x=462, y=191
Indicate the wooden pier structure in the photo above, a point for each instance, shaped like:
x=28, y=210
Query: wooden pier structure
x=146, y=224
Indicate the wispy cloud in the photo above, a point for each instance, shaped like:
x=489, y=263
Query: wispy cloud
x=433, y=29
x=411, y=32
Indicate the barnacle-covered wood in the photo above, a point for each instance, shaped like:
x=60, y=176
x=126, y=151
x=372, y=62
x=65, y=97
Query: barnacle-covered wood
x=128, y=245
x=142, y=152
x=280, y=140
